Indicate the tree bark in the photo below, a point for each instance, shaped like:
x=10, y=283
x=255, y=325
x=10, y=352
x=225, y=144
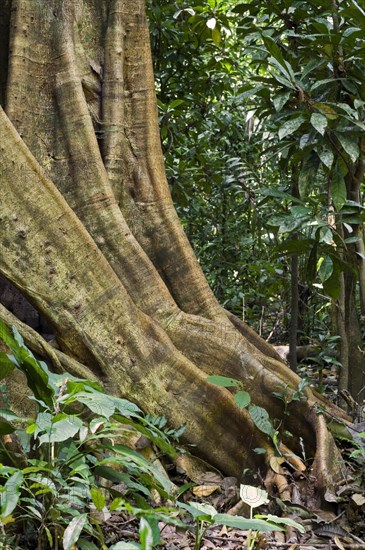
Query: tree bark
x=89, y=234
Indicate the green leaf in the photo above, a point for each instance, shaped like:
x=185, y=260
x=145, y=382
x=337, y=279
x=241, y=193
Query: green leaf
x=238, y=522
x=319, y=122
x=261, y=420
x=290, y=126
x=242, y=399
x=145, y=535
x=350, y=240
x=175, y=103
x=97, y=402
x=49, y=534
x=259, y=451
x=293, y=246
x=62, y=430
x=280, y=100
x=281, y=520
x=277, y=58
x=216, y=35
x=35, y=371
x=326, y=157
x=73, y=531
x=223, y=381
x=6, y=428
x=325, y=268
x=350, y=145
x=332, y=286
x=136, y=458
x=326, y=235
x=10, y=494
x=204, y=508
x=98, y=498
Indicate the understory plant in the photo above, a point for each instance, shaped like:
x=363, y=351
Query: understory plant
x=68, y=469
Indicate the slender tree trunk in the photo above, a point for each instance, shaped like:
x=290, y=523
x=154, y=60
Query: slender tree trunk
x=89, y=234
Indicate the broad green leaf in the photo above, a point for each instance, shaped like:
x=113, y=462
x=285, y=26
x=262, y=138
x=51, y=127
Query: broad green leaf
x=98, y=498
x=97, y=402
x=323, y=82
x=204, y=508
x=350, y=240
x=223, y=381
x=145, y=535
x=267, y=192
x=238, y=522
x=326, y=235
x=242, y=399
x=259, y=451
x=10, y=416
x=6, y=428
x=327, y=110
x=62, y=430
x=42, y=482
x=281, y=520
x=175, y=103
x=332, y=286
x=125, y=407
x=277, y=56
x=216, y=35
x=73, y=531
x=293, y=246
x=10, y=494
x=253, y=496
x=261, y=420
x=319, y=122
x=300, y=212
x=34, y=371
x=350, y=145
x=140, y=461
x=280, y=100
x=325, y=268
x=326, y=157
x=290, y=126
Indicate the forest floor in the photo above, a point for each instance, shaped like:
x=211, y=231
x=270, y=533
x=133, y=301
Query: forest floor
x=338, y=524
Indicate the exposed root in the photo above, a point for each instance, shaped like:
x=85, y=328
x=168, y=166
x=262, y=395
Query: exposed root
x=292, y=459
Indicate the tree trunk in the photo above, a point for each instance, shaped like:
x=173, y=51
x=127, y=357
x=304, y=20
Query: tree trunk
x=90, y=236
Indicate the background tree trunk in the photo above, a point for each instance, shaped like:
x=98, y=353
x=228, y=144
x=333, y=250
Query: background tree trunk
x=90, y=236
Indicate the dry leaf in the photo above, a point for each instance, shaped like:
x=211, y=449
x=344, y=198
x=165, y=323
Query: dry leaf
x=204, y=490
x=339, y=543
x=276, y=462
x=358, y=499
x=210, y=478
x=223, y=531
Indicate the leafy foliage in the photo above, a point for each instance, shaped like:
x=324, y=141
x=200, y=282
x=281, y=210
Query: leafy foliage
x=76, y=468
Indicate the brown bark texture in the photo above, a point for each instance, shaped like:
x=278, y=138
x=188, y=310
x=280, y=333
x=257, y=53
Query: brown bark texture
x=89, y=234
